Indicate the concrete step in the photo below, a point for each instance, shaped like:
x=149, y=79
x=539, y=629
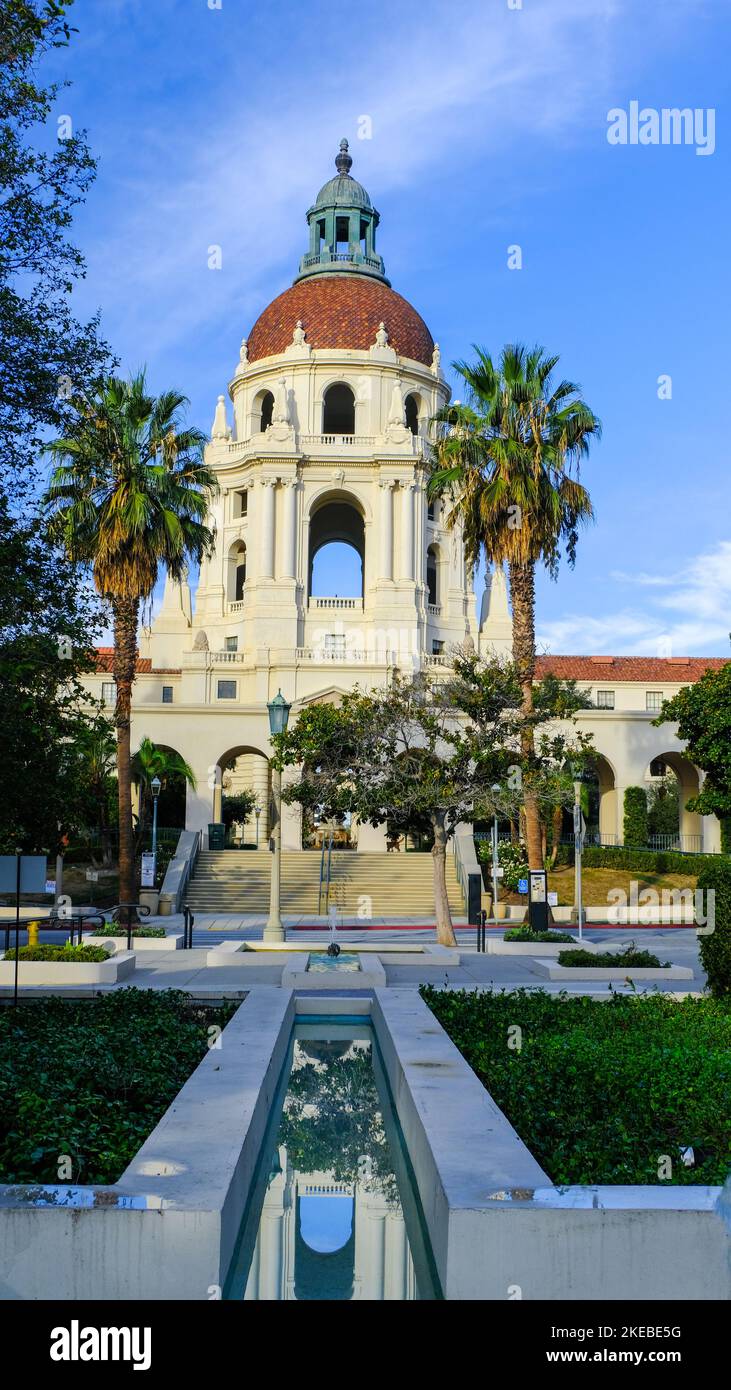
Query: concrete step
x=229, y=880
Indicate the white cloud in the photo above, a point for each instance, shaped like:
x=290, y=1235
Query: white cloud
x=684, y=613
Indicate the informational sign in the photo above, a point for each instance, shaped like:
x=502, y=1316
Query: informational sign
x=50, y=886
x=538, y=899
x=148, y=870
x=92, y=876
x=553, y=899
x=522, y=885
x=498, y=872
x=33, y=869
x=579, y=827
x=538, y=885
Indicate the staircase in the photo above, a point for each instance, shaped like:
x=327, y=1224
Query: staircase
x=397, y=884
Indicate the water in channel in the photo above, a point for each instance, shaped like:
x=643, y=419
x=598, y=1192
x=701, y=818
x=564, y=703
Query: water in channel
x=334, y=1214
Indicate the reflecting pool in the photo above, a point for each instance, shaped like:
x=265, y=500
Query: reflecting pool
x=321, y=961
x=334, y=1213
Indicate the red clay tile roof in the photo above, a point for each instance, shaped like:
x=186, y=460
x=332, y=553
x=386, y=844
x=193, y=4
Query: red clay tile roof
x=104, y=657
x=341, y=311
x=677, y=670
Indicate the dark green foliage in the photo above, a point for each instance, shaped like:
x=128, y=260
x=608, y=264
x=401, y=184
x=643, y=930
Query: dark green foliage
x=525, y=934
x=512, y=858
x=237, y=808
x=635, y=817
x=702, y=712
x=112, y=929
x=600, y=1090
x=715, y=947
x=70, y=954
x=91, y=1079
x=645, y=861
x=627, y=959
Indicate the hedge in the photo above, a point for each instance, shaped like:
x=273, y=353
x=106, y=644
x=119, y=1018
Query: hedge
x=715, y=945
x=651, y=861
x=601, y=1089
x=635, y=817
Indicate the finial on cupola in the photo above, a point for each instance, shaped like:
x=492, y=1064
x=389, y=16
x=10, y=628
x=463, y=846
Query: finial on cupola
x=343, y=160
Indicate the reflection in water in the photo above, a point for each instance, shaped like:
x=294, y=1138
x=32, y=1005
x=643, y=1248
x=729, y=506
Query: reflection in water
x=332, y=1224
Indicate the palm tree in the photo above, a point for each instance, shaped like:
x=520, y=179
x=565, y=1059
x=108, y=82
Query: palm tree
x=508, y=464
x=130, y=493
x=152, y=761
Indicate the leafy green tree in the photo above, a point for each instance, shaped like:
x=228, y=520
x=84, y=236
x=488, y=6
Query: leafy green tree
x=702, y=712
x=507, y=466
x=130, y=494
x=237, y=807
x=47, y=621
x=43, y=349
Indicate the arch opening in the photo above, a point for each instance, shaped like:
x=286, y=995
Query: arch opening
x=338, y=410
x=236, y=579
x=243, y=769
x=432, y=575
x=337, y=551
x=671, y=781
x=411, y=412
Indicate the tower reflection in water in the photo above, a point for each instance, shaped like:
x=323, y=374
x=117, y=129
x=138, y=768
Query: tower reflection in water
x=339, y=1218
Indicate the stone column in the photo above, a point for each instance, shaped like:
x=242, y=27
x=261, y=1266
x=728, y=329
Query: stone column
x=266, y=530
x=407, y=531
x=386, y=529
x=270, y=1270
x=289, y=570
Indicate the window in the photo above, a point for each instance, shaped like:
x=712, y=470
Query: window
x=412, y=414
x=432, y=577
x=109, y=693
x=232, y=644
x=605, y=699
x=437, y=647
x=167, y=694
x=658, y=768
x=267, y=408
x=338, y=416
x=430, y=510
x=335, y=643
x=227, y=690
x=653, y=700
x=240, y=504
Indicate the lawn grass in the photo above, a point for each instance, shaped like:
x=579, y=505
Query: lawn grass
x=91, y=1079
x=596, y=883
x=603, y=1091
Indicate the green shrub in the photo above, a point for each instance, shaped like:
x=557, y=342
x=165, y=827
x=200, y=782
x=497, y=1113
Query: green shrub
x=115, y=929
x=600, y=1089
x=645, y=860
x=91, y=1078
x=627, y=959
x=511, y=858
x=526, y=934
x=65, y=954
x=635, y=817
x=715, y=946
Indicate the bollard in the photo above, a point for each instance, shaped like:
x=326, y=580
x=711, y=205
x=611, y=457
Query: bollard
x=33, y=928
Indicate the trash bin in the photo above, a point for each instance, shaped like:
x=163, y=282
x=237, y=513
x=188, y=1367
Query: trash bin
x=216, y=835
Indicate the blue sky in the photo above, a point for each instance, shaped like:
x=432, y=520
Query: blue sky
x=489, y=129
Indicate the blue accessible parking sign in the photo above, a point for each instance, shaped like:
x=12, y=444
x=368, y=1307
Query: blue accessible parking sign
x=522, y=885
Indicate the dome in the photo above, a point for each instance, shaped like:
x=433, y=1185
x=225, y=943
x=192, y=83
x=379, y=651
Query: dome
x=341, y=311
x=343, y=191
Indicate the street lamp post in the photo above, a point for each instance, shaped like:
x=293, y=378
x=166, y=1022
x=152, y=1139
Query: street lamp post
x=155, y=787
x=578, y=847
x=257, y=813
x=495, y=860
x=278, y=719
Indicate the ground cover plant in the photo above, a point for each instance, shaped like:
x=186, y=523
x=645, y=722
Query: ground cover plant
x=527, y=934
x=603, y=1091
x=91, y=1078
x=116, y=929
x=67, y=955
x=629, y=958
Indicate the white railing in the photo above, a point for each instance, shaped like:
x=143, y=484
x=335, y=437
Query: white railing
x=434, y=610
x=219, y=658
x=356, y=603
x=435, y=659
x=346, y=441
x=317, y=654
x=236, y=606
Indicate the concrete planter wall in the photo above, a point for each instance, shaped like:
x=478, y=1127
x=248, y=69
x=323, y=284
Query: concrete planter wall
x=554, y=971
x=172, y=942
x=47, y=972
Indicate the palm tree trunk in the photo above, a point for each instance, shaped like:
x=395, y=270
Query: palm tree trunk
x=126, y=613
x=442, y=911
x=556, y=828
x=522, y=593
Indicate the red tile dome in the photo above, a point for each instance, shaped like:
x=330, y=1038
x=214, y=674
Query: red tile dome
x=341, y=311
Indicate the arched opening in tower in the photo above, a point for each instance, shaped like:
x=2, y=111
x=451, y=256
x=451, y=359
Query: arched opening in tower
x=337, y=551
x=338, y=415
